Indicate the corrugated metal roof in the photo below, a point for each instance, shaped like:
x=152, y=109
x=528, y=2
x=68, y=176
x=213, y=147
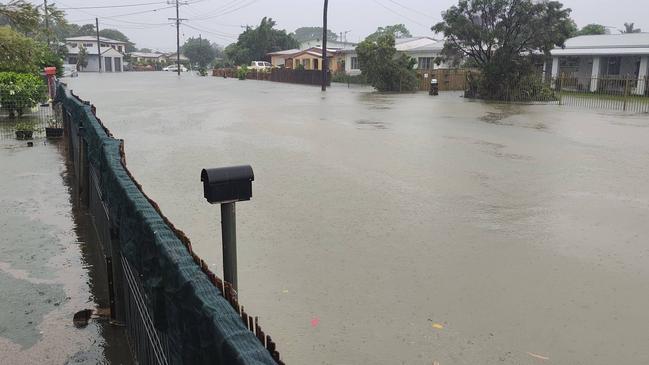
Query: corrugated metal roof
x=92, y=39
x=629, y=40
x=628, y=51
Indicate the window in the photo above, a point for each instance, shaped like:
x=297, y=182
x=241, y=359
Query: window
x=613, y=65
x=425, y=63
x=119, y=48
x=73, y=45
x=355, y=64
x=104, y=45
x=316, y=63
x=307, y=64
x=570, y=61
x=87, y=45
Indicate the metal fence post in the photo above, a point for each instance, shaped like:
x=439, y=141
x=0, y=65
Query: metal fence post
x=626, y=92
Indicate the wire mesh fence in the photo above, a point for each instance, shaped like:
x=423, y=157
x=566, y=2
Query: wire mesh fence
x=25, y=115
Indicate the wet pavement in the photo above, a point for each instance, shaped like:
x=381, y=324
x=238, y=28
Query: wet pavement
x=389, y=229
x=48, y=263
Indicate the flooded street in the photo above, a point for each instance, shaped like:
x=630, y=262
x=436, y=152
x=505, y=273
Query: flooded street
x=48, y=263
x=390, y=229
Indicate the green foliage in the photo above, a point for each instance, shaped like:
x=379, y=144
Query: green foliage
x=82, y=58
x=200, y=51
x=20, y=15
x=383, y=67
x=310, y=33
x=499, y=37
x=299, y=67
x=19, y=91
x=116, y=35
x=397, y=31
x=26, y=126
x=255, y=43
x=348, y=79
x=24, y=55
x=592, y=29
x=242, y=72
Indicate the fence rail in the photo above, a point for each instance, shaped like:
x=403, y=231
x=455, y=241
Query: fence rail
x=176, y=310
x=613, y=93
x=305, y=77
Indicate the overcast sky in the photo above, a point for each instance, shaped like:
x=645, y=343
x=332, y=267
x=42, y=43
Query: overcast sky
x=221, y=20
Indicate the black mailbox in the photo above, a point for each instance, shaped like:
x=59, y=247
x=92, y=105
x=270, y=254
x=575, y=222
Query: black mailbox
x=227, y=184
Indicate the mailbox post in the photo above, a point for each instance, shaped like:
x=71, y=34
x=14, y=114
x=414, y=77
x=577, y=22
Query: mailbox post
x=226, y=186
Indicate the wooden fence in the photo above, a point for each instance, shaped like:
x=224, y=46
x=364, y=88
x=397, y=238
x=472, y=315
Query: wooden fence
x=448, y=79
x=306, y=77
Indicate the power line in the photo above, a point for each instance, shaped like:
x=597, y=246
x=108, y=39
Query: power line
x=415, y=11
x=399, y=14
x=229, y=11
x=215, y=34
x=111, y=6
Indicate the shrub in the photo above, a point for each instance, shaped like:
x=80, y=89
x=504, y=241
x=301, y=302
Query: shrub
x=242, y=72
x=348, y=79
x=19, y=92
x=22, y=54
x=384, y=68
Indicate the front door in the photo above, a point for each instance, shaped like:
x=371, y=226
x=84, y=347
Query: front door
x=108, y=61
x=118, y=64
x=316, y=63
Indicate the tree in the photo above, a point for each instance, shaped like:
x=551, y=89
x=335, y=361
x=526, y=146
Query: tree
x=592, y=29
x=20, y=15
x=21, y=54
x=397, y=30
x=115, y=34
x=310, y=33
x=383, y=68
x=199, y=51
x=145, y=50
x=255, y=43
x=630, y=28
x=82, y=58
x=500, y=36
x=86, y=29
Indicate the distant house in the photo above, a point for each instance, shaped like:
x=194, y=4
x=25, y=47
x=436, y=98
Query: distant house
x=316, y=42
x=110, y=53
x=172, y=58
x=145, y=57
x=590, y=59
x=425, y=50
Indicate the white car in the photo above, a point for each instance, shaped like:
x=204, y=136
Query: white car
x=260, y=65
x=70, y=70
x=174, y=68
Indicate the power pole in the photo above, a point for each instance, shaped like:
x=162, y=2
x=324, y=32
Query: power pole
x=98, y=43
x=177, y=19
x=325, y=62
x=47, y=22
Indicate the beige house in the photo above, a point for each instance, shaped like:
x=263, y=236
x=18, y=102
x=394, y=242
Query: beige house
x=310, y=58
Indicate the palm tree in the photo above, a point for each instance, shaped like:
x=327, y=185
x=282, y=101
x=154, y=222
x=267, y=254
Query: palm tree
x=630, y=28
x=20, y=15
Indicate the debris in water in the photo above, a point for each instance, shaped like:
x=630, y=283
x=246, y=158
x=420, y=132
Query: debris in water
x=538, y=356
x=81, y=318
x=438, y=326
x=315, y=321
x=285, y=291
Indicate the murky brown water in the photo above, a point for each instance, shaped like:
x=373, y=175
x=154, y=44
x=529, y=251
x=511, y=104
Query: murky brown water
x=48, y=263
x=407, y=229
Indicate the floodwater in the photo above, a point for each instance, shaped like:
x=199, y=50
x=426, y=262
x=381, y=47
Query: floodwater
x=406, y=229
x=48, y=262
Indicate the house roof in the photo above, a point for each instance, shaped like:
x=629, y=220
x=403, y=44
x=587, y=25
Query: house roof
x=86, y=38
x=605, y=44
x=93, y=51
x=146, y=55
x=416, y=43
x=285, y=52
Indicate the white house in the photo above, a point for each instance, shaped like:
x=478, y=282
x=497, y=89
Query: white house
x=317, y=43
x=110, y=54
x=590, y=59
x=147, y=57
x=423, y=49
